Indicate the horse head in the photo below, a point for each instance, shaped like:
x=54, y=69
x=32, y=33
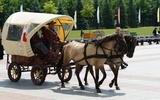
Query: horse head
x=121, y=45
x=131, y=43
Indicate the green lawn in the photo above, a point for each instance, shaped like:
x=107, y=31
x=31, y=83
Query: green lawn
x=141, y=31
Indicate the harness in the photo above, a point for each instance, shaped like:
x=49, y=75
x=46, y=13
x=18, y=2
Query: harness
x=104, y=55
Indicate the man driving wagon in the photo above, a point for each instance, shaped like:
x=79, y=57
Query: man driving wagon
x=45, y=38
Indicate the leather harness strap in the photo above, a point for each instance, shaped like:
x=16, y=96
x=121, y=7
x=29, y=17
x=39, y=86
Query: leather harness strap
x=85, y=56
x=96, y=55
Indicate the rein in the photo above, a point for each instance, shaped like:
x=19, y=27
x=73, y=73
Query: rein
x=121, y=56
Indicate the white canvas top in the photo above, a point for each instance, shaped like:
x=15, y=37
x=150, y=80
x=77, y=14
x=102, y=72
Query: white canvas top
x=39, y=18
x=29, y=23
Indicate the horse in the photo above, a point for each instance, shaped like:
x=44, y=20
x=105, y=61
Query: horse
x=116, y=62
x=93, y=54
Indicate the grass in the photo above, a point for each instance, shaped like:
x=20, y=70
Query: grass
x=141, y=31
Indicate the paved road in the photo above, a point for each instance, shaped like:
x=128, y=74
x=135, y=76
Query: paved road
x=140, y=81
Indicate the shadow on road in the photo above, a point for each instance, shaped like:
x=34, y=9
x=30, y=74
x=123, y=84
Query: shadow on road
x=26, y=84
x=89, y=91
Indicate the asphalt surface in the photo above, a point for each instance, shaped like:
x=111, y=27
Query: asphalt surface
x=139, y=81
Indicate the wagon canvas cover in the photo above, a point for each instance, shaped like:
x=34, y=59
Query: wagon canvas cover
x=21, y=26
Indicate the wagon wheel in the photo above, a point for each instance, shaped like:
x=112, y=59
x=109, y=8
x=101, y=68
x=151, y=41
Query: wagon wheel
x=14, y=72
x=67, y=76
x=38, y=74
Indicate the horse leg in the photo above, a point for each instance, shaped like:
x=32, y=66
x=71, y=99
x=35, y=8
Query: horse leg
x=86, y=75
x=104, y=75
x=89, y=68
x=96, y=80
x=63, y=62
x=63, y=73
x=114, y=72
x=116, y=77
x=59, y=67
x=78, y=70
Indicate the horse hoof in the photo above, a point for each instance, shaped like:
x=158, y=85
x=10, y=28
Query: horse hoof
x=110, y=85
x=117, y=88
x=82, y=88
x=86, y=83
x=63, y=86
x=99, y=91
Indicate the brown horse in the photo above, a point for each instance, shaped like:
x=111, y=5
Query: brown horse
x=93, y=54
x=116, y=62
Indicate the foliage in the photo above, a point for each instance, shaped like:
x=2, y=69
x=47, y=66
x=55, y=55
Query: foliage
x=123, y=14
x=36, y=7
x=107, y=14
x=132, y=15
x=88, y=11
x=49, y=7
x=94, y=19
x=1, y=7
x=146, y=12
x=61, y=9
x=70, y=6
x=81, y=22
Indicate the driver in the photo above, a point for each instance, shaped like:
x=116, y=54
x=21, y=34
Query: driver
x=44, y=38
x=50, y=35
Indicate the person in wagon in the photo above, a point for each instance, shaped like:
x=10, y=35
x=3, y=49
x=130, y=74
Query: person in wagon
x=37, y=42
x=43, y=38
x=50, y=35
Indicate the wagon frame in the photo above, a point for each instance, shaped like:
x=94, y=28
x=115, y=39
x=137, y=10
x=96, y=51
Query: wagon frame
x=21, y=57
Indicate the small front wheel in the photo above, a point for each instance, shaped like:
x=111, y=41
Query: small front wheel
x=14, y=72
x=67, y=75
x=38, y=74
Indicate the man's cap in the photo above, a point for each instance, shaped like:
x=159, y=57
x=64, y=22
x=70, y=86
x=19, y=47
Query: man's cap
x=52, y=22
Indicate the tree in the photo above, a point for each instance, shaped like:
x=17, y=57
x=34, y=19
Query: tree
x=94, y=19
x=8, y=9
x=88, y=11
x=81, y=22
x=61, y=9
x=155, y=8
x=132, y=15
x=146, y=13
x=70, y=6
x=107, y=14
x=26, y=4
x=1, y=7
x=49, y=7
x=36, y=7
x=123, y=14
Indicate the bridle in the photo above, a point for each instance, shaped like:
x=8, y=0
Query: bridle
x=131, y=42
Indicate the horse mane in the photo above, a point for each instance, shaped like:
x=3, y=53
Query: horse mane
x=108, y=38
x=129, y=37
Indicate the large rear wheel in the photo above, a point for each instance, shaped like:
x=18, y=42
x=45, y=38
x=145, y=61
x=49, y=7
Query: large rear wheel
x=38, y=74
x=14, y=72
x=67, y=75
